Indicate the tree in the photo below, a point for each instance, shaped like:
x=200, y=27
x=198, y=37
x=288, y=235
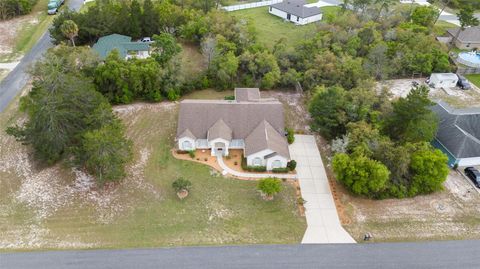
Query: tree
x=327, y=111
x=135, y=23
x=430, y=170
x=444, y=4
x=269, y=187
x=384, y=5
x=165, y=47
x=363, y=176
x=412, y=120
x=149, y=19
x=104, y=152
x=182, y=187
x=377, y=62
x=425, y=16
x=70, y=30
x=467, y=18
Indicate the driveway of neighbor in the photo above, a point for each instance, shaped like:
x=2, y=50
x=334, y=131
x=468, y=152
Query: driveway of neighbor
x=322, y=218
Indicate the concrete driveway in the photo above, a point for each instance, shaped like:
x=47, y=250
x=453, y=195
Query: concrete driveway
x=322, y=218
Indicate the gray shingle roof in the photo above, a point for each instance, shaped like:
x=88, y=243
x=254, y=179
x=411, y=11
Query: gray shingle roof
x=219, y=130
x=263, y=137
x=459, y=130
x=469, y=35
x=297, y=8
x=247, y=94
x=259, y=119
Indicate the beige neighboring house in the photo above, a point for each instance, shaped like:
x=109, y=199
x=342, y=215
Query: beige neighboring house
x=250, y=123
x=467, y=39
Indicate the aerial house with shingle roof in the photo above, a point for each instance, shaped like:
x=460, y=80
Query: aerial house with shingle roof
x=458, y=134
x=250, y=123
x=296, y=11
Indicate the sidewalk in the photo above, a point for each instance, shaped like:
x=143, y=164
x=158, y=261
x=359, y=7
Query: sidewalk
x=322, y=218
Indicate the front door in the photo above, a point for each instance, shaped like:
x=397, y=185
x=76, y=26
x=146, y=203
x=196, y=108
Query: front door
x=288, y=16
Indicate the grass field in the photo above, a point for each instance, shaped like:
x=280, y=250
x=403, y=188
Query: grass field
x=474, y=78
x=271, y=28
x=55, y=208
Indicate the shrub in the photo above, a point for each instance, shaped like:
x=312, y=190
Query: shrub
x=256, y=168
x=235, y=163
x=292, y=165
x=179, y=151
x=181, y=184
x=191, y=153
x=269, y=187
x=281, y=170
x=229, y=97
x=290, y=136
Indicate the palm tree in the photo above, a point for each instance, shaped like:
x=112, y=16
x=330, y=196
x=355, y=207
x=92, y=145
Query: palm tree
x=467, y=19
x=384, y=5
x=70, y=30
x=444, y=4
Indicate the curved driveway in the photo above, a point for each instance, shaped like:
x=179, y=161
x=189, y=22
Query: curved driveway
x=16, y=80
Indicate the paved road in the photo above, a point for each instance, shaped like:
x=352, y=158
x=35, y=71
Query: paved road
x=438, y=255
x=16, y=80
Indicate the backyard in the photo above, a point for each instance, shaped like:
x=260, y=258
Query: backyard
x=475, y=79
x=271, y=28
x=58, y=208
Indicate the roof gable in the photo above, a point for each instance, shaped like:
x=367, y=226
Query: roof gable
x=263, y=137
x=219, y=130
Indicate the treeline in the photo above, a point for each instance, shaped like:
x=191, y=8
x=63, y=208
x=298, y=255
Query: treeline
x=68, y=120
x=382, y=148
x=13, y=8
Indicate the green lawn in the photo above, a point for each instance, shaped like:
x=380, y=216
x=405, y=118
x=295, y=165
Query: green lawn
x=271, y=28
x=474, y=78
x=142, y=211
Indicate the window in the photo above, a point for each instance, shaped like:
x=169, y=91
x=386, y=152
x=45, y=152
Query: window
x=276, y=164
x=270, y=8
x=186, y=145
x=257, y=162
x=298, y=18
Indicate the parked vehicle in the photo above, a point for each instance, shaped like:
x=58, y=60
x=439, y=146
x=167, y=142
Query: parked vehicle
x=53, y=6
x=146, y=39
x=463, y=83
x=474, y=175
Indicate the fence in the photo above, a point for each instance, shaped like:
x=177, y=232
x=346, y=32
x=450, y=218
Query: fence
x=468, y=70
x=251, y=5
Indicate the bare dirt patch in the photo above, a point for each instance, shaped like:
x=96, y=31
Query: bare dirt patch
x=454, y=96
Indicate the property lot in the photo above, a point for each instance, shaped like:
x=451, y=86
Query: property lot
x=454, y=96
x=57, y=208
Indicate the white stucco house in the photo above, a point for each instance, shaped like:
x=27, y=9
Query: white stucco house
x=296, y=11
x=250, y=123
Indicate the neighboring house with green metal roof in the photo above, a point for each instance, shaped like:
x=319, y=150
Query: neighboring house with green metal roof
x=124, y=45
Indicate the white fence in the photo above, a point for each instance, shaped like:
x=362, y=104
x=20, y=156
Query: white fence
x=251, y=5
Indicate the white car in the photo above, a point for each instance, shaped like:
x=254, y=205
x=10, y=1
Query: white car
x=146, y=39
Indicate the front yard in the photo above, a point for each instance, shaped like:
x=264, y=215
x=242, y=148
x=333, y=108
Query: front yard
x=56, y=208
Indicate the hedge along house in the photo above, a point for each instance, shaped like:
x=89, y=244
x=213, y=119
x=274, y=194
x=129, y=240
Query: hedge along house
x=458, y=134
x=250, y=123
x=124, y=45
x=296, y=11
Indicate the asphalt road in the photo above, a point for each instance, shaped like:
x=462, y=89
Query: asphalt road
x=16, y=80
x=447, y=254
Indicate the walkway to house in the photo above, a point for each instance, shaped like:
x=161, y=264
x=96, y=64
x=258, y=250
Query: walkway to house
x=228, y=170
x=322, y=218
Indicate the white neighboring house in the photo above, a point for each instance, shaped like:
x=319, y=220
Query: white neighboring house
x=296, y=12
x=250, y=123
x=443, y=80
